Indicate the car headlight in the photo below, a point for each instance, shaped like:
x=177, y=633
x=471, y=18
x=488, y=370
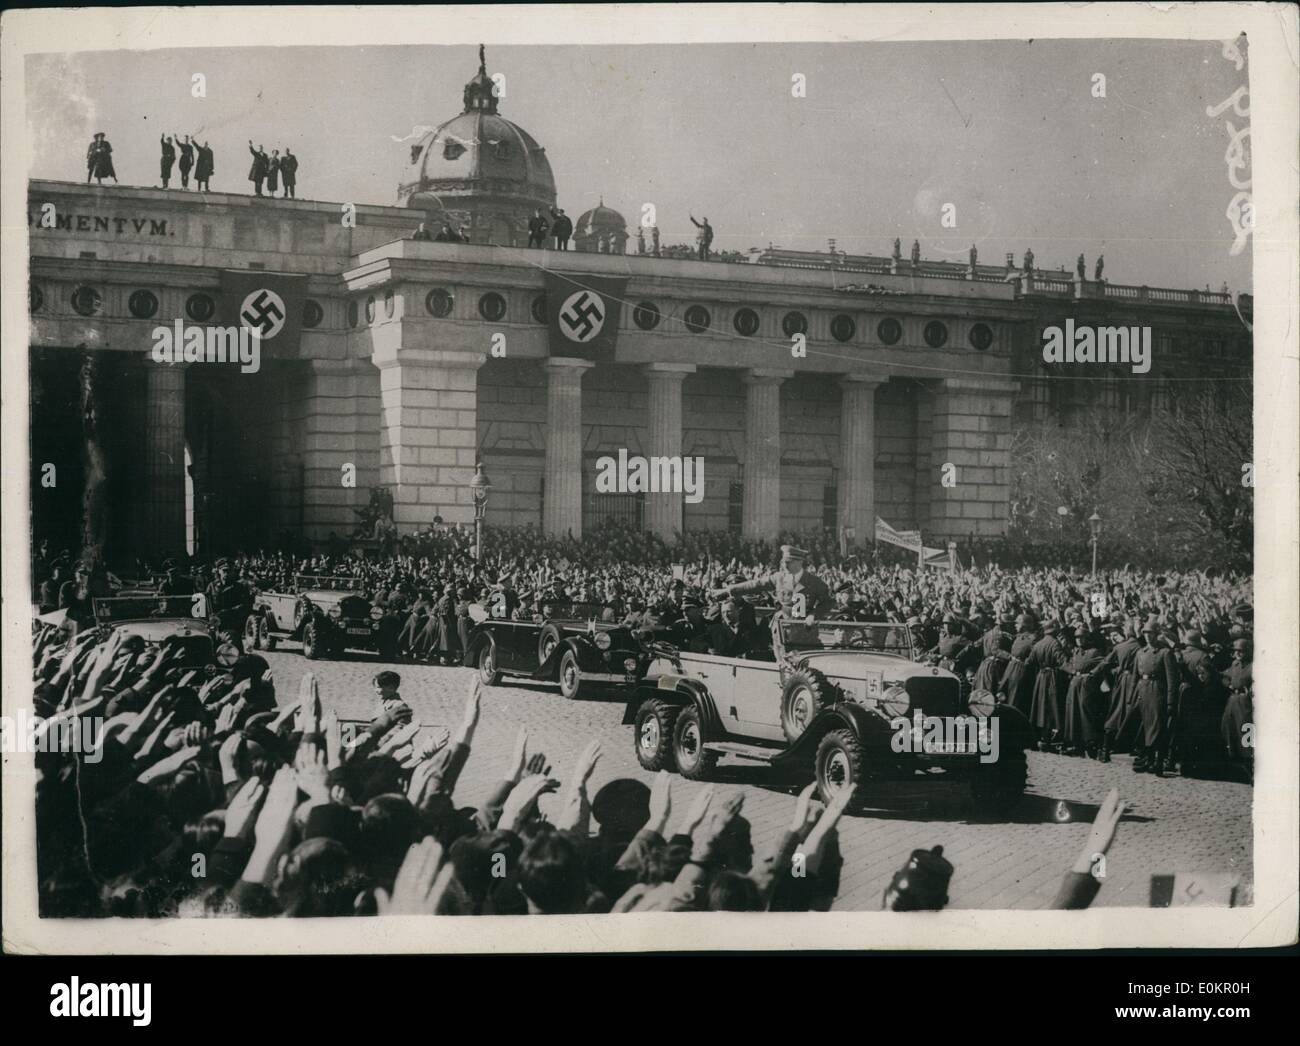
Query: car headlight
x=895, y=701
x=981, y=702
x=629, y=665
x=376, y=613
x=336, y=611
x=602, y=641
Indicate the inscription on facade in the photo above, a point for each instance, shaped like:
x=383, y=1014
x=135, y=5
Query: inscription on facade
x=64, y=222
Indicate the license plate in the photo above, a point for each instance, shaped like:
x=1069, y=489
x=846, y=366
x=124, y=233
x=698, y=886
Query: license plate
x=358, y=631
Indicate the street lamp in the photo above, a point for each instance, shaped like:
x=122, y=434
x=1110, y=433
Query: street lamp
x=1094, y=525
x=479, y=487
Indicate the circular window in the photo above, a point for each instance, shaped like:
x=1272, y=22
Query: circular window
x=86, y=301
x=439, y=303
x=794, y=323
x=746, y=322
x=200, y=307
x=889, y=330
x=492, y=306
x=936, y=334
x=981, y=336
x=698, y=319
x=370, y=309
x=538, y=309
x=390, y=303
x=35, y=297
x=312, y=313
x=843, y=328
x=646, y=315
x=143, y=304
x=354, y=313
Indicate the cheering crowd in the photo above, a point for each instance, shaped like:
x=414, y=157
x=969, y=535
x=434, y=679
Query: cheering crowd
x=212, y=796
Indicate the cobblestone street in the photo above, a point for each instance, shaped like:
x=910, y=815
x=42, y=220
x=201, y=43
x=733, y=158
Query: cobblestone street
x=1173, y=825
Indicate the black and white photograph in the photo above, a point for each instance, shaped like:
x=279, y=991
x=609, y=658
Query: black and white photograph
x=820, y=463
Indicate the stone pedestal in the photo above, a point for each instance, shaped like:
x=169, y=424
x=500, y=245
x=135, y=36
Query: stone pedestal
x=857, y=479
x=428, y=438
x=971, y=430
x=562, y=496
x=663, y=515
x=164, y=455
x=761, y=511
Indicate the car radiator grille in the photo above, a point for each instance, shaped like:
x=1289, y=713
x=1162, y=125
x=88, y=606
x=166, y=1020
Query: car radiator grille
x=934, y=695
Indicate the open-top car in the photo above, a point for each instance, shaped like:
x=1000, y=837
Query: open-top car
x=328, y=615
x=845, y=702
x=574, y=653
x=179, y=620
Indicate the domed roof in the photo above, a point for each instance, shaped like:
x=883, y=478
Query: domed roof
x=600, y=219
x=478, y=153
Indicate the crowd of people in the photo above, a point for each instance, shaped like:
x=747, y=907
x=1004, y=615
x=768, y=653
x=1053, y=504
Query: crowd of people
x=206, y=796
x=186, y=154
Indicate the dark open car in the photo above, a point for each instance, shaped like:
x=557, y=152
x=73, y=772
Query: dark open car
x=579, y=655
x=328, y=615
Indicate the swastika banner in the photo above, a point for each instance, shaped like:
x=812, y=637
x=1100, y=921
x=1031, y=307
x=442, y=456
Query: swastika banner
x=268, y=303
x=583, y=313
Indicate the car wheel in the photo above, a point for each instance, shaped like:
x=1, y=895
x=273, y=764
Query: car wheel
x=488, y=673
x=694, y=762
x=802, y=697
x=653, y=734
x=997, y=787
x=311, y=644
x=252, y=633
x=570, y=675
x=840, y=762
x=547, y=642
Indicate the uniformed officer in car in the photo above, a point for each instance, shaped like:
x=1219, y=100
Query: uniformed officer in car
x=800, y=594
x=229, y=602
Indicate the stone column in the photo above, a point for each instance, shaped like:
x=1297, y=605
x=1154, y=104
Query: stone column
x=971, y=431
x=164, y=454
x=664, y=426
x=762, y=474
x=339, y=408
x=428, y=437
x=857, y=481
x=562, y=496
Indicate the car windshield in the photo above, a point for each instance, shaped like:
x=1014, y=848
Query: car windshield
x=878, y=637
x=315, y=582
x=135, y=608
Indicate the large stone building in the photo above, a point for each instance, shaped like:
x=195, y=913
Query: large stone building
x=414, y=360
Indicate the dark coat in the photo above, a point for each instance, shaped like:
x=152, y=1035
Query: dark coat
x=1155, y=690
x=260, y=164
x=1018, y=681
x=206, y=165
x=273, y=173
x=1085, y=704
x=1049, y=658
x=289, y=169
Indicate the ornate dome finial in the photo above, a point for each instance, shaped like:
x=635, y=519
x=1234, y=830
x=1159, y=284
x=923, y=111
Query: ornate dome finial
x=479, y=92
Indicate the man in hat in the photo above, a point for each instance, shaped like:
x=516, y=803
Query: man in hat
x=186, y=146
x=174, y=583
x=229, y=602
x=800, y=594
x=728, y=637
x=704, y=238
x=954, y=651
x=1155, y=690
x=261, y=166
x=1122, y=716
x=204, y=168
x=99, y=160
x=995, y=646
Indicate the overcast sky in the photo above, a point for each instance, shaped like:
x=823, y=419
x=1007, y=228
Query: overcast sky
x=1009, y=132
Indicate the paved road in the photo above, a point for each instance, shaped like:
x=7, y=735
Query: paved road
x=1174, y=825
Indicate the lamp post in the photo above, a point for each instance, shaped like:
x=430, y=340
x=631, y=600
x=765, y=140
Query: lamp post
x=479, y=487
x=1094, y=525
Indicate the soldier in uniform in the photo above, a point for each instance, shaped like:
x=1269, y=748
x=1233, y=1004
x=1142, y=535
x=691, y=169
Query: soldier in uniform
x=995, y=645
x=1155, y=688
x=229, y=603
x=800, y=594
x=1017, y=686
x=175, y=583
x=954, y=651
x=187, y=159
x=1121, y=720
x=1085, y=709
x=1047, y=711
x=257, y=172
x=1239, y=711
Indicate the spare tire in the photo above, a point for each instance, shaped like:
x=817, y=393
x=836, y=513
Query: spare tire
x=804, y=694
